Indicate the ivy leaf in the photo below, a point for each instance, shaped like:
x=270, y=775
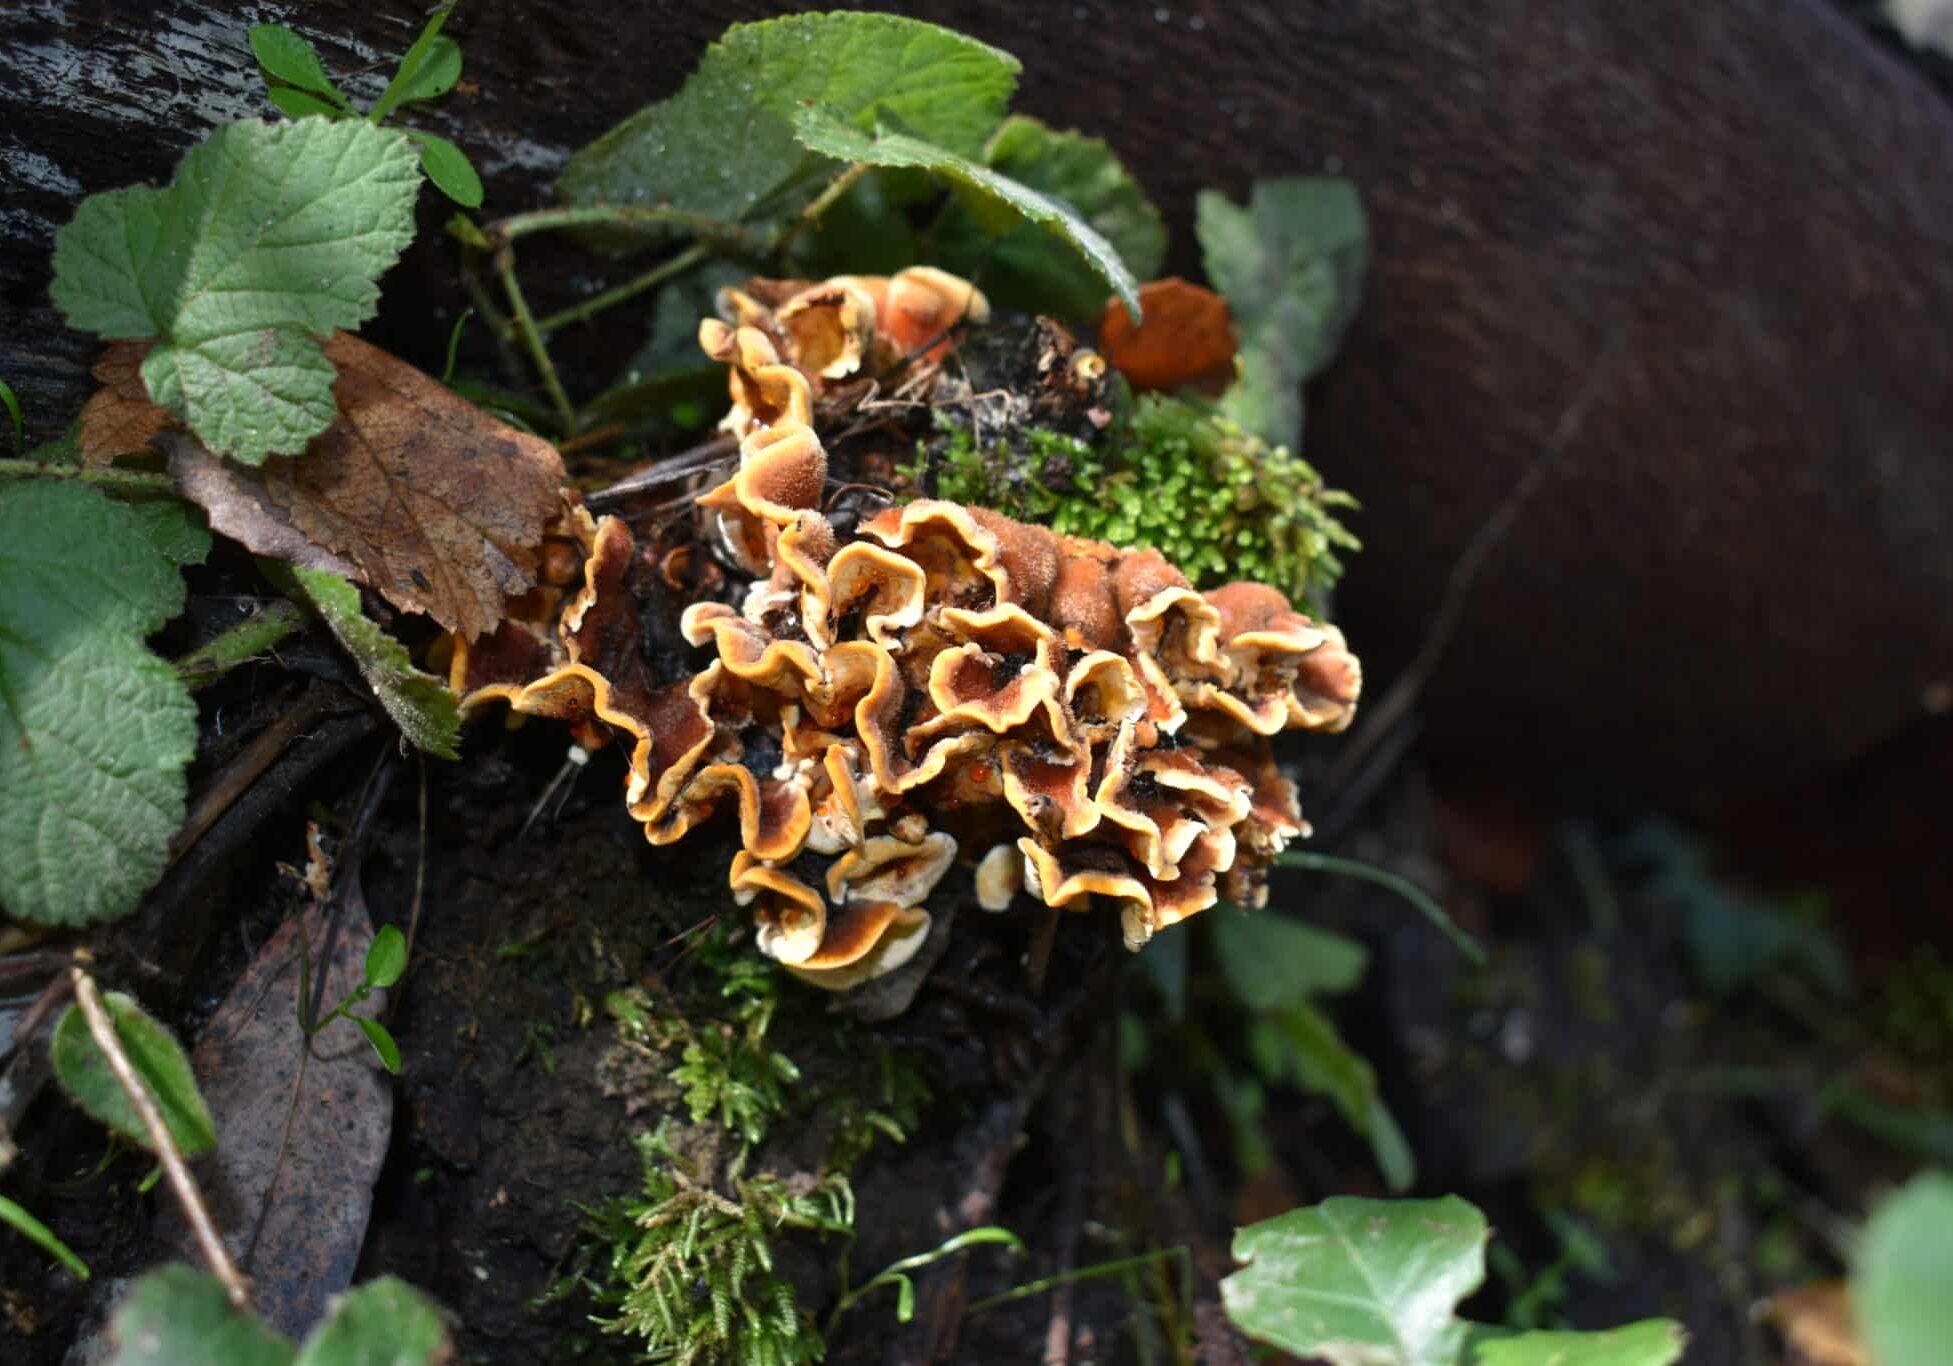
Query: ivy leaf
x=420, y=704
x=1899, y=1279
x=724, y=145
x=94, y=729
x=269, y=236
x=449, y=168
x=1651, y=1342
x=158, y=1059
x=1360, y=1282
x=1291, y=264
x=383, y=1321
x=997, y=202
x=1029, y=268
x=179, y=1314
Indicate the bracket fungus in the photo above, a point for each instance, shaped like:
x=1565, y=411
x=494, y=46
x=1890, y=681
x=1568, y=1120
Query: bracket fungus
x=1075, y=717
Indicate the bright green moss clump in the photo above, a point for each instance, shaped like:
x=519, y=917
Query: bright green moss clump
x=1170, y=474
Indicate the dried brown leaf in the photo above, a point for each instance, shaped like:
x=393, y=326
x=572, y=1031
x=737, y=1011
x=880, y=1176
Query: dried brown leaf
x=119, y=418
x=301, y=1132
x=233, y=496
x=439, y=506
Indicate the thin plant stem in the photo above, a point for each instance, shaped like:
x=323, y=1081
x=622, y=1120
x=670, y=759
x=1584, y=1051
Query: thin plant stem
x=242, y=643
x=630, y=289
x=625, y=218
x=133, y=482
x=181, y=1182
x=525, y=329
x=825, y=200
x=1089, y=1273
x=1403, y=887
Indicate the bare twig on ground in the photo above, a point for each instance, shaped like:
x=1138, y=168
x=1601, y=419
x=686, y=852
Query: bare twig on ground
x=249, y=765
x=102, y=1028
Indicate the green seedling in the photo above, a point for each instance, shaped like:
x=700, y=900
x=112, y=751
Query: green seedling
x=300, y=88
x=386, y=960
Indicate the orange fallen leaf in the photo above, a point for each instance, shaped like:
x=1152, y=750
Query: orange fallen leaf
x=1815, y=1321
x=119, y=418
x=1186, y=341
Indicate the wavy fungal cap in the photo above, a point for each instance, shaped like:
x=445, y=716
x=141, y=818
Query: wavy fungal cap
x=944, y=679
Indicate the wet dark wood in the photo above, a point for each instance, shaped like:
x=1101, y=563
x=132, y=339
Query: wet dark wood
x=1742, y=561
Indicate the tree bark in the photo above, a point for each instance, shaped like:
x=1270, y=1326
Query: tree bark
x=1725, y=226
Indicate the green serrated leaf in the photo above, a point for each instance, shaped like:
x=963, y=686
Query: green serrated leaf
x=290, y=58
x=179, y=1314
x=997, y=202
x=160, y=1062
x=178, y=534
x=420, y=704
x=724, y=146
x=1903, y=1272
x=385, y=1322
x=1271, y=961
x=298, y=105
x=436, y=73
x=382, y=1041
x=1360, y=1282
x=449, y=168
x=1291, y=265
x=1030, y=269
x=270, y=236
x=94, y=729
x=1650, y=1342
x=386, y=957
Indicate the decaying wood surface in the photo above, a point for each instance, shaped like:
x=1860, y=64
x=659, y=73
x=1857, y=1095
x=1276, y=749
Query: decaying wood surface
x=1727, y=223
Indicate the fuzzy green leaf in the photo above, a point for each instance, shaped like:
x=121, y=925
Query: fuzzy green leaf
x=385, y=1322
x=724, y=145
x=94, y=729
x=1903, y=1272
x=290, y=58
x=298, y=105
x=420, y=704
x=1360, y=1282
x=159, y=1061
x=179, y=1314
x=997, y=202
x=1651, y=1342
x=1291, y=265
x=1028, y=267
x=1271, y=961
x=270, y=236
x=449, y=168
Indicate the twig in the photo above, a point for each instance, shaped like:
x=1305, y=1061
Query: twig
x=525, y=329
x=1403, y=694
x=181, y=1182
x=242, y=643
x=249, y=765
x=109, y=480
x=630, y=289
x=662, y=472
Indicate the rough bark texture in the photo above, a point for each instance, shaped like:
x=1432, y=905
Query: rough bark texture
x=1728, y=224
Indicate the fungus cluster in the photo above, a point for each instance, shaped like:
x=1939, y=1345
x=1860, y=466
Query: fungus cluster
x=942, y=678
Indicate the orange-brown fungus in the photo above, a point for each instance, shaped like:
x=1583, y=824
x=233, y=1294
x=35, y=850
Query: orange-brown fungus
x=1075, y=715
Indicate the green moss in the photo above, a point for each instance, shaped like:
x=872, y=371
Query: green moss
x=1171, y=474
